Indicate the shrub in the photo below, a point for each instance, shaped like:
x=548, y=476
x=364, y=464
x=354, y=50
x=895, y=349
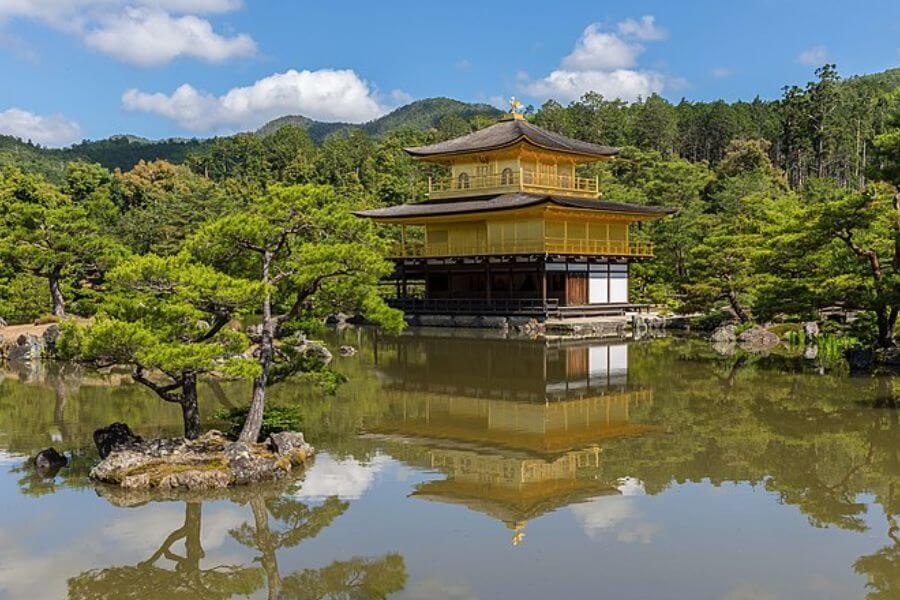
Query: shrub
x=275, y=419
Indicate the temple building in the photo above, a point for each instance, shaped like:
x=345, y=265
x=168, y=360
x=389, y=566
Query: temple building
x=514, y=230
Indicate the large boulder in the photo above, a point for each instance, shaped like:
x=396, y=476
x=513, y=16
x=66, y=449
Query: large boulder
x=346, y=350
x=48, y=462
x=289, y=443
x=758, y=339
x=724, y=335
x=116, y=436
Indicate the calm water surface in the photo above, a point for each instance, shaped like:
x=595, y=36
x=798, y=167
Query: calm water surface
x=453, y=466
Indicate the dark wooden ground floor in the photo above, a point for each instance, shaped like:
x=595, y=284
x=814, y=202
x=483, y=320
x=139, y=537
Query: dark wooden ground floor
x=514, y=285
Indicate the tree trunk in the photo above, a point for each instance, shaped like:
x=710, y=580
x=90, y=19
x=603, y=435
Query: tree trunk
x=737, y=308
x=190, y=411
x=59, y=303
x=887, y=320
x=253, y=423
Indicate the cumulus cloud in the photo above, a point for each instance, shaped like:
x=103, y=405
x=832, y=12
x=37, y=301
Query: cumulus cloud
x=142, y=32
x=605, y=61
x=643, y=29
x=814, y=56
x=53, y=130
x=325, y=95
x=150, y=37
x=596, y=50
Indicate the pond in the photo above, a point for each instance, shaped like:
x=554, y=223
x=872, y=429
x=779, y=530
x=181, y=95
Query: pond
x=458, y=465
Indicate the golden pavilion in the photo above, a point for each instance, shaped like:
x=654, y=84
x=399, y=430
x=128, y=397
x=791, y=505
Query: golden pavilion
x=514, y=230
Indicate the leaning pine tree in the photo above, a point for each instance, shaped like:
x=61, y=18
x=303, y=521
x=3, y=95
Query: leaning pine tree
x=312, y=257
x=167, y=318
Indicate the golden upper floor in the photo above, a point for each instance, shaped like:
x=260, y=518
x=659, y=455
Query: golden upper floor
x=512, y=156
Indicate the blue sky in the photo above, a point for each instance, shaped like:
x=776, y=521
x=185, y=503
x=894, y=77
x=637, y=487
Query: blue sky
x=159, y=68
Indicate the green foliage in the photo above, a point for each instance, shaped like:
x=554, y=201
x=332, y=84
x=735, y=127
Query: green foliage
x=275, y=419
x=23, y=298
x=53, y=235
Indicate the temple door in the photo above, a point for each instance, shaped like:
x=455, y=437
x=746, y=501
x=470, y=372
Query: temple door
x=577, y=289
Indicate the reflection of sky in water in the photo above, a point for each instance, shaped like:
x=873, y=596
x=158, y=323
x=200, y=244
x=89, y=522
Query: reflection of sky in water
x=347, y=478
x=630, y=545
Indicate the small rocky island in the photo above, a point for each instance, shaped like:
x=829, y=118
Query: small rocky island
x=212, y=461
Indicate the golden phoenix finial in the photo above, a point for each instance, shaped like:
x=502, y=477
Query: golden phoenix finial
x=514, y=105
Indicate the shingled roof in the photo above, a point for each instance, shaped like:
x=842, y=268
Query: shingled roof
x=509, y=132
x=436, y=208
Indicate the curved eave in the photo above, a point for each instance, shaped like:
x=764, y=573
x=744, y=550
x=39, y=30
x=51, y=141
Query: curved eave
x=417, y=153
x=425, y=211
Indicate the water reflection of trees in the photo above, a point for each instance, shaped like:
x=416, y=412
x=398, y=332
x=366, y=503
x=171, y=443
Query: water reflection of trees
x=185, y=579
x=278, y=522
x=828, y=445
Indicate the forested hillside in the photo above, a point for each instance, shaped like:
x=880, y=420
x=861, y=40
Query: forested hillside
x=692, y=130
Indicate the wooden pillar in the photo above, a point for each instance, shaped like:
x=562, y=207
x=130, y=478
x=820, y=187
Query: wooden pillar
x=487, y=268
x=543, y=269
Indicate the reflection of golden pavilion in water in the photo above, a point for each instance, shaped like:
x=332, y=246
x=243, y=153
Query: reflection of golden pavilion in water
x=515, y=425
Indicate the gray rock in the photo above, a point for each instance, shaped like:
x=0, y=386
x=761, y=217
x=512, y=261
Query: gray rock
x=336, y=319
x=811, y=330
x=25, y=348
x=246, y=467
x=113, y=437
x=51, y=335
x=209, y=462
x=724, y=334
x=724, y=348
x=346, y=350
x=3, y=323
x=758, y=339
x=48, y=462
x=287, y=442
x=811, y=352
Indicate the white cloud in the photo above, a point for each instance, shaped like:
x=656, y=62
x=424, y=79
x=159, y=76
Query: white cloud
x=606, y=62
x=643, y=29
x=814, y=56
x=621, y=83
x=149, y=37
x=141, y=32
x=347, y=479
x=53, y=130
x=326, y=95
x=596, y=50
x=721, y=72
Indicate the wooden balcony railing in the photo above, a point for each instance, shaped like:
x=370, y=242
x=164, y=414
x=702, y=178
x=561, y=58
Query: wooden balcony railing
x=512, y=181
x=636, y=248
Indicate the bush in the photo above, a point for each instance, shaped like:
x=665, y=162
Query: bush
x=24, y=299
x=275, y=419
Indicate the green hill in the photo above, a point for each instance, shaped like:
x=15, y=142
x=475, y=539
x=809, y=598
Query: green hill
x=421, y=114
